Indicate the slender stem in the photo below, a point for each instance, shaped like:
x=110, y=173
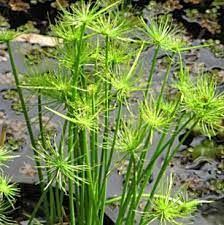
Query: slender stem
x=164, y=83
x=58, y=204
x=181, y=62
x=126, y=184
x=118, y=120
x=23, y=105
x=166, y=162
x=92, y=205
x=104, y=156
x=160, y=148
x=72, y=129
x=43, y=142
x=147, y=174
x=93, y=137
x=37, y=206
x=89, y=175
x=144, y=153
x=125, y=198
x=108, y=164
x=59, y=193
x=71, y=187
x=52, y=206
x=62, y=138
x=83, y=189
x=77, y=58
x=148, y=171
x=28, y=123
x=118, y=198
x=151, y=72
x=131, y=211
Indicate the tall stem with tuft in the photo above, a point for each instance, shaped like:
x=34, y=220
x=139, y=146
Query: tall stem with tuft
x=28, y=122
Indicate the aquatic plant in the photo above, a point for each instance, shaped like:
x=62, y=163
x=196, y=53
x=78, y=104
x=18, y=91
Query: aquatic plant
x=93, y=89
x=169, y=207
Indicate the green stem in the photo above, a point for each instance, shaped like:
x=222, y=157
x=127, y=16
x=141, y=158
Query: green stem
x=59, y=193
x=166, y=162
x=77, y=59
x=23, y=105
x=28, y=123
x=151, y=72
x=43, y=142
x=146, y=174
x=164, y=83
x=144, y=154
x=131, y=211
x=71, y=187
x=84, y=146
x=118, y=198
x=148, y=171
x=104, y=156
x=92, y=200
x=103, y=191
x=37, y=206
x=93, y=137
x=58, y=204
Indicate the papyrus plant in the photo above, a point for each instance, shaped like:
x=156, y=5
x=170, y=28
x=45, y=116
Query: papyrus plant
x=96, y=82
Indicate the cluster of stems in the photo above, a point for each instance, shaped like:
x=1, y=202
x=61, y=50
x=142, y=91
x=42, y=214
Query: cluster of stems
x=96, y=80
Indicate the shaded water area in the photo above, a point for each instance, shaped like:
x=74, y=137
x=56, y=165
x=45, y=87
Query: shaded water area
x=202, y=172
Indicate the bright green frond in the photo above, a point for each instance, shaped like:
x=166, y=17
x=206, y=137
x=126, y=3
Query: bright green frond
x=169, y=207
x=202, y=100
x=8, y=190
x=130, y=137
x=156, y=118
x=162, y=33
x=4, y=209
x=52, y=85
x=7, y=35
x=59, y=166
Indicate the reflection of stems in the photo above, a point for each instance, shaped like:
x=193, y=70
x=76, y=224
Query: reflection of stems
x=27, y=119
